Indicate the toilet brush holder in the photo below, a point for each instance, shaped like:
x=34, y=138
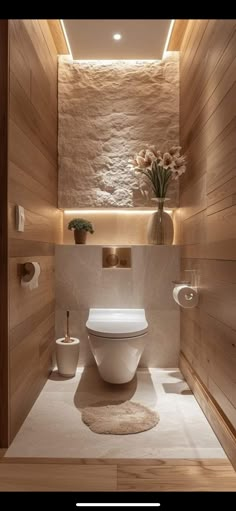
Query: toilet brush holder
x=67, y=351
x=67, y=356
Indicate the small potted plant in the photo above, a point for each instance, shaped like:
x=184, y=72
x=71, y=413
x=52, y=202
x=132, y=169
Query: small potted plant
x=80, y=227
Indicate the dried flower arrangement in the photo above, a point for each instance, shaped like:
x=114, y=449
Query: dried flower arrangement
x=160, y=168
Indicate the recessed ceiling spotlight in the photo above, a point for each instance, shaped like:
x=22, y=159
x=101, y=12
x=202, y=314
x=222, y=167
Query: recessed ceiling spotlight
x=117, y=37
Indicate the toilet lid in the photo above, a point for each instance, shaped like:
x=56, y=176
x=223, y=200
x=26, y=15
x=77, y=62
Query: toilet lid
x=117, y=323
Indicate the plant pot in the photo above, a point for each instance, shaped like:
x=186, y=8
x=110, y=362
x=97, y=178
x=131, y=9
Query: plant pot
x=67, y=355
x=80, y=236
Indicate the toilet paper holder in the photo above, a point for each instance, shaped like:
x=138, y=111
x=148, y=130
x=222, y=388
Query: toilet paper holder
x=185, y=294
x=192, y=279
x=29, y=274
x=27, y=270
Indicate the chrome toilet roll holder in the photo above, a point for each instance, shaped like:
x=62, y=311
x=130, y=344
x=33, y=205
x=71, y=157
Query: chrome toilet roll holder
x=190, y=283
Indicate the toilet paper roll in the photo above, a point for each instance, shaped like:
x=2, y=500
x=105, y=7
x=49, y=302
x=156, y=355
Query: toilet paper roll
x=31, y=277
x=185, y=296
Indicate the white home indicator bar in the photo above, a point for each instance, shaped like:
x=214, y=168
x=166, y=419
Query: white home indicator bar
x=121, y=504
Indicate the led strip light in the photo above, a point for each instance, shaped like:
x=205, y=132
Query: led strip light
x=111, y=211
x=121, y=504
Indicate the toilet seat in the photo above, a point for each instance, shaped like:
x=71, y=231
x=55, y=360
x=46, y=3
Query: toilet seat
x=117, y=323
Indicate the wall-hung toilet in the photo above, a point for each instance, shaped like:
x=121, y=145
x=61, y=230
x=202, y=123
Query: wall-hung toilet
x=117, y=341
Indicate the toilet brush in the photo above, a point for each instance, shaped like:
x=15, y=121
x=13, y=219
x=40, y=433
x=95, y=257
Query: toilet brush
x=67, y=336
x=67, y=352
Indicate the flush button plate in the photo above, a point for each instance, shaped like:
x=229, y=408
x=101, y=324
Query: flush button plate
x=116, y=257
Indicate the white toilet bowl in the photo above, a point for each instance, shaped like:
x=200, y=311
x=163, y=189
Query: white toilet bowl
x=117, y=341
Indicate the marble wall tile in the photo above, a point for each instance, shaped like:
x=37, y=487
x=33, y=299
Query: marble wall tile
x=82, y=283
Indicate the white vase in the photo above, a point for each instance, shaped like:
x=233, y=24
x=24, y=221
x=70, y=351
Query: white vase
x=67, y=355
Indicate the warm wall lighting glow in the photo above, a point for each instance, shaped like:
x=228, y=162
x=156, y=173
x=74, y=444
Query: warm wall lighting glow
x=108, y=62
x=118, y=504
x=117, y=37
x=168, y=38
x=111, y=211
x=66, y=37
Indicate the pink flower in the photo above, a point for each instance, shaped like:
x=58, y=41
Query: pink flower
x=175, y=150
x=142, y=153
x=167, y=159
x=140, y=161
x=158, y=168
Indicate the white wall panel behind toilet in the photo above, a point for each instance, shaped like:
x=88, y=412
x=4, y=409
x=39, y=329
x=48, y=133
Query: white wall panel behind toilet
x=81, y=283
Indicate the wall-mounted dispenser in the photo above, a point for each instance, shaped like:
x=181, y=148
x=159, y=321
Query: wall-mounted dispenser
x=30, y=275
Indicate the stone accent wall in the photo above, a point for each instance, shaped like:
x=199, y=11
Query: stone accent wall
x=108, y=112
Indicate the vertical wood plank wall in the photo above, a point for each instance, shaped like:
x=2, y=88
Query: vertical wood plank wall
x=4, y=409
x=208, y=204
x=32, y=184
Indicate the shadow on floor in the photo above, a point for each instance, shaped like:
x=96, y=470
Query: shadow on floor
x=56, y=376
x=176, y=374
x=93, y=391
x=177, y=388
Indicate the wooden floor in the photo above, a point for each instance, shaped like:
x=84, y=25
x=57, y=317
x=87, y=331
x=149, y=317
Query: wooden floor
x=116, y=475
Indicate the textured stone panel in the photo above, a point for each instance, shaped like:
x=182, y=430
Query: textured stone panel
x=108, y=112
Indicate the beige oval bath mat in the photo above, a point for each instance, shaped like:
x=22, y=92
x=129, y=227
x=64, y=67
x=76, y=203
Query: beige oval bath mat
x=122, y=419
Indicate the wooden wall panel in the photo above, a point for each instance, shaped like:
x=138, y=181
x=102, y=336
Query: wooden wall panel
x=177, y=35
x=4, y=377
x=205, y=51
x=58, y=37
x=28, y=378
x=24, y=155
x=218, y=419
x=32, y=183
x=208, y=205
